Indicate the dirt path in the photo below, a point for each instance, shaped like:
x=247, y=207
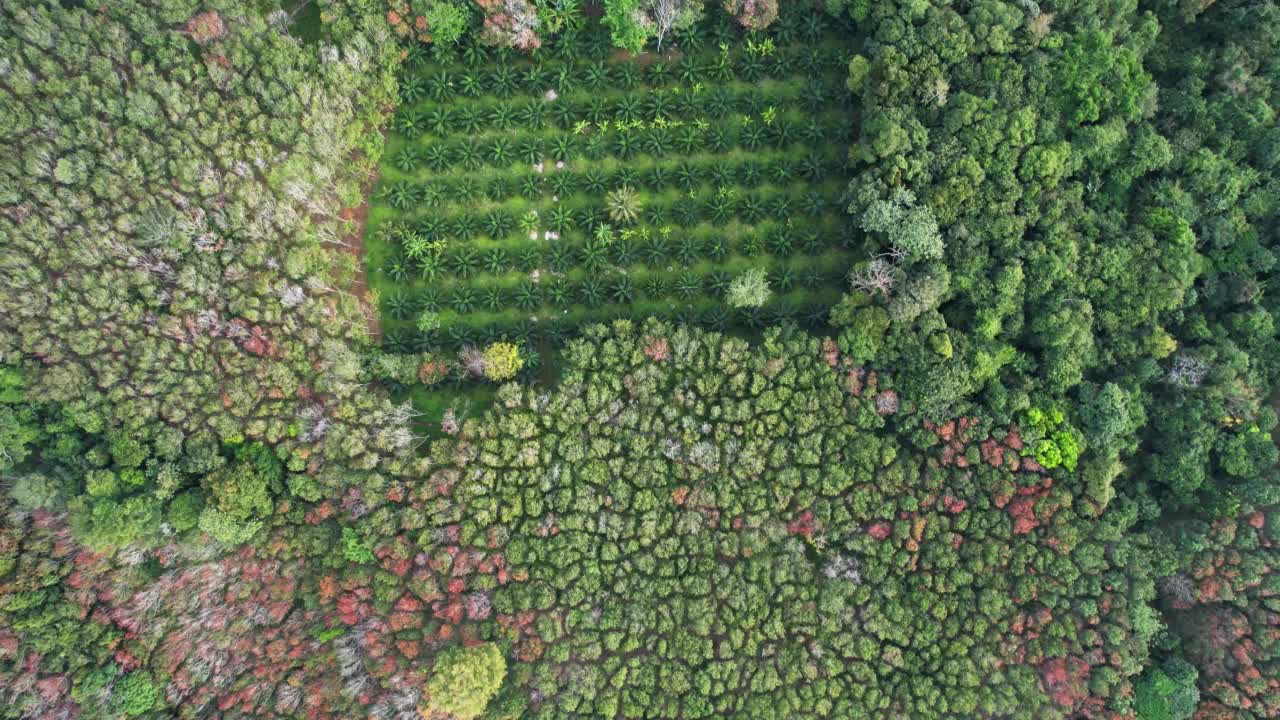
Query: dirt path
x=354, y=244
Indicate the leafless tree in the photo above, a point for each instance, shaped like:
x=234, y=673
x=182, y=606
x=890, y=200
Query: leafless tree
x=877, y=277
x=1187, y=371
x=664, y=19
x=472, y=360
x=1179, y=589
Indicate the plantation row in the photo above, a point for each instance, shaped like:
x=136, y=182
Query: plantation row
x=766, y=151
x=473, y=71
x=748, y=133
x=635, y=246
x=432, y=220
x=565, y=107
x=808, y=309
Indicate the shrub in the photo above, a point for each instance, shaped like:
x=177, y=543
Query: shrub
x=753, y=14
x=502, y=361
x=750, y=289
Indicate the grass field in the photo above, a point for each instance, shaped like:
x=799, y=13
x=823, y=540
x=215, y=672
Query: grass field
x=522, y=198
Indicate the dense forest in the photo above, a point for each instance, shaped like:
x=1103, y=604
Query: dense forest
x=556, y=359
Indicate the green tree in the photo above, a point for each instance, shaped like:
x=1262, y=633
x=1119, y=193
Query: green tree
x=353, y=549
x=136, y=694
x=446, y=21
x=910, y=228
x=463, y=680
x=629, y=27
x=1167, y=691
x=37, y=490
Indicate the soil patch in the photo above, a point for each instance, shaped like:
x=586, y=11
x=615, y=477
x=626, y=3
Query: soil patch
x=353, y=243
x=645, y=59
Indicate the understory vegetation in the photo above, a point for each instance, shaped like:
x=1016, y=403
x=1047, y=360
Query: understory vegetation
x=401, y=359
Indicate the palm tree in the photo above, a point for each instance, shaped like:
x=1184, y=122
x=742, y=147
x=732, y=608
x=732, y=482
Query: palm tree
x=440, y=86
x=436, y=156
x=812, y=204
x=557, y=292
x=623, y=205
x=466, y=261
x=466, y=226
x=628, y=75
x=469, y=155
x=406, y=160
x=657, y=252
x=412, y=89
x=468, y=119
x=403, y=195
x=397, y=268
x=471, y=84
x=593, y=181
x=398, y=305
x=561, y=257
x=717, y=249
x=562, y=184
x=498, y=223
x=688, y=140
x=500, y=151
x=752, y=137
x=596, y=76
x=411, y=123
x=502, y=117
x=526, y=296
x=463, y=300
x=625, y=145
x=494, y=298
x=495, y=261
x=785, y=278
x=623, y=290
x=624, y=252
x=429, y=299
x=660, y=73
x=432, y=227
x=594, y=255
x=530, y=187
x=503, y=81
x=430, y=267
x=562, y=112
x=655, y=288
x=591, y=291
x=560, y=218
x=439, y=121
x=396, y=340
x=688, y=250
x=689, y=285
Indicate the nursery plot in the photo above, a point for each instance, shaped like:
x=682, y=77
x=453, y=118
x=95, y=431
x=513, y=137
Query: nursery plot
x=522, y=198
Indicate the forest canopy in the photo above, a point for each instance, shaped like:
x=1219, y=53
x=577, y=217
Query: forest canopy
x=639, y=359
